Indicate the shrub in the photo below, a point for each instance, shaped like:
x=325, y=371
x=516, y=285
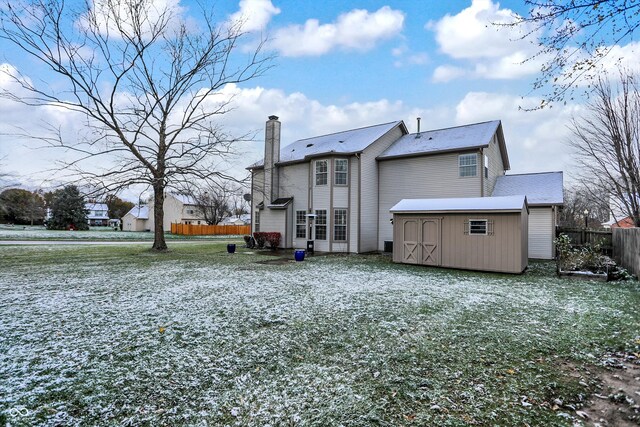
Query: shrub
x=261, y=238
x=274, y=240
x=587, y=258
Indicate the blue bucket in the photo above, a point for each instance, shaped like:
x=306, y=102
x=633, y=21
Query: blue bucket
x=231, y=248
x=299, y=254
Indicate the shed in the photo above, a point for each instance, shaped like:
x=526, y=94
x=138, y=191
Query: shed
x=475, y=233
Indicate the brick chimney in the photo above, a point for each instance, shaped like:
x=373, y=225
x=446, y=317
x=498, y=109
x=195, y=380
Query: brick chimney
x=271, y=157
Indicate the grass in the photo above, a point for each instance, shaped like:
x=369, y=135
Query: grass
x=121, y=336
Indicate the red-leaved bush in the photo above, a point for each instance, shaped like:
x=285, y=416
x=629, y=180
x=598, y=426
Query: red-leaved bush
x=272, y=238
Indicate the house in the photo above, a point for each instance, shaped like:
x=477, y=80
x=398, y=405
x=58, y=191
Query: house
x=244, y=219
x=136, y=219
x=618, y=216
x=178, y=208
x=471, y=233
x=545, y=198
x=97, y=214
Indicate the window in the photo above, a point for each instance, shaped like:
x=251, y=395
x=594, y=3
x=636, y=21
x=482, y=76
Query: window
x=481, y=227
x=468, y=164
x=321, y=172
x=256, y=219
x=189, y=211
x=486, y=166
x=340, y=225
x=301, y=224
x=321, y=225
x=341, y=165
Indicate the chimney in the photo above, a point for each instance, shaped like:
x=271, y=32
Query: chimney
x=418, y=133
x=271, y=157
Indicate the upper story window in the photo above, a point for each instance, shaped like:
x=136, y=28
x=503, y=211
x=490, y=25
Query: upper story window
x=468, y=164
x=486, y=166
x=321, y=172
x=341, y=168
x=301, y=224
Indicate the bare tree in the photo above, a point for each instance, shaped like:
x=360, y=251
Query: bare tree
x=217, y=200
x=607, y=143
x=574, y=37
x=583, y=206
x=147, y=82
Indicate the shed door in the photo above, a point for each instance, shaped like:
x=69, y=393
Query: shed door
x=430, y=241
x=410, y=236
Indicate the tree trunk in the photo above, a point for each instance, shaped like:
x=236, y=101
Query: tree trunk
x=158, y=219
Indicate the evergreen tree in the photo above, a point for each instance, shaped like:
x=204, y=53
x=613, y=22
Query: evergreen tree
x=68, y=210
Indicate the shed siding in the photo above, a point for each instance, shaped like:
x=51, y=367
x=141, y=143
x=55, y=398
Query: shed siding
x=503, y=251
x=541, y=232
x=419, y=178
x=496, y=167
x=370, y=188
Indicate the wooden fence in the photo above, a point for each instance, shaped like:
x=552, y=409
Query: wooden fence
x=626, y=248
x=209, y=230
x=580, y=237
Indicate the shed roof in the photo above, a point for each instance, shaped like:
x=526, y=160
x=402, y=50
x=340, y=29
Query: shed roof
x=345, y=142
x=541, y=189
x=463, y=204
x=139, y=212
x=467, y=137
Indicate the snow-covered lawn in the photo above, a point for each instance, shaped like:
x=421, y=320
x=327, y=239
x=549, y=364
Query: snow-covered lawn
x=120, y=336
x=19, y=232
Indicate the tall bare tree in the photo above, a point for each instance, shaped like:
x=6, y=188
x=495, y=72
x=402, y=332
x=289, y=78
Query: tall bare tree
x=574, y=37
x=607, y=143
x=147, y=82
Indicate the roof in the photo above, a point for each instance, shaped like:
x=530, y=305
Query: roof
x=467, y=137
x=464, y=204
x=184, y=198
x=541, y=189
x=345, y=142
x=139, y=212
x=280, y=203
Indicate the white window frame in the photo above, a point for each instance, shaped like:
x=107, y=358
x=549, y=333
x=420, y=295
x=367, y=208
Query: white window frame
x=321, y=223
x=469, y=227
x=322, y=176
x=462, y=165
x=256, y=222
x=341, y=175
x=486, y=166
x=340, y=223
x=301, y=224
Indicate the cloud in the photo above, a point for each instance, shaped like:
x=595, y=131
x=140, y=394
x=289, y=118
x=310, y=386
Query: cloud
x=355, y=30
x=486, y=50
x=255, y=14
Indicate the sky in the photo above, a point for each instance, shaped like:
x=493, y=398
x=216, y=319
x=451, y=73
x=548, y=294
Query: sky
x=345, y=64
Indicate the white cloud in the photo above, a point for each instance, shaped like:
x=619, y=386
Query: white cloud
x=355, y=30
x=536, y=140
x=488, y=51
x=255, y=14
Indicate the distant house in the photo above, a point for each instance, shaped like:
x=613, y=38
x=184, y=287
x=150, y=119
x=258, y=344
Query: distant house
x=237, y=220
x=178, y=208
x=136, y=219
x=97, y=214
x=618, y=217
x=626, y=222
x=545, y=197
x=338, y=189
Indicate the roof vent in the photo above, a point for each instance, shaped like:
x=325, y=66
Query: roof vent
x=430, y=138
x=273, y=117
x=341, y=141
x=309, y=145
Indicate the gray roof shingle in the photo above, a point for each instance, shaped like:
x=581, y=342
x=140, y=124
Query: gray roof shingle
x=543, y=188
x=465, y=204
x=449, y=139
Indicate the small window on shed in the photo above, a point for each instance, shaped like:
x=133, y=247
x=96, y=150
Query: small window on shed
x=480, y=227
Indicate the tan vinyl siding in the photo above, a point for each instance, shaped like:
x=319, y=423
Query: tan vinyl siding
x=496, y=167
x=369, y=191
x=502, y=251
x=422, y=177
x=293, y=181
x=354, y=181
x=541, y=232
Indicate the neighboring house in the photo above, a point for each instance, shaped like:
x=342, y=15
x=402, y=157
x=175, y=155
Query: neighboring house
x=618, y=217
x=237, y=220
x=178, y=208
x=623, y=223
x=97, y=214
x=338, y=189
x=545, y=198
x=136, y=219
